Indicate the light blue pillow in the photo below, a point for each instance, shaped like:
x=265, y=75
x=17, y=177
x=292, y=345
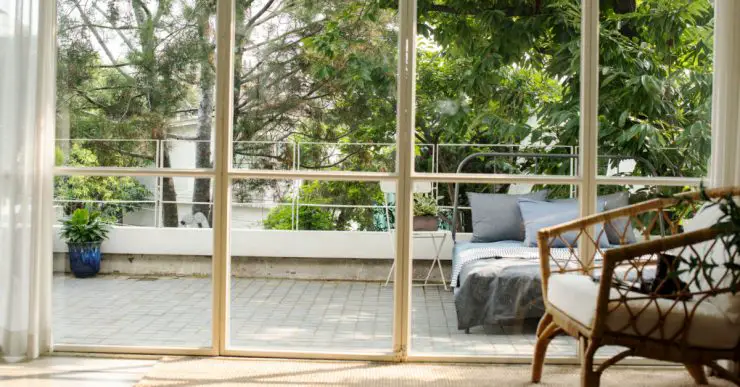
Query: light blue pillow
x=539, y=214
x=496, y=217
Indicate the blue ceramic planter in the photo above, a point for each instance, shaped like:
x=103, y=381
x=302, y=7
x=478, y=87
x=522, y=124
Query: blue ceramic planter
x=84, y=259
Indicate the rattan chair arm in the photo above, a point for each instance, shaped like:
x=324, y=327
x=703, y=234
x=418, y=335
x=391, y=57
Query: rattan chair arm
x=616, y=256
x=710, y=192
x=605, y=216
x=546, y=262
x=636, y=209
x=545, y=235
x=544, y=247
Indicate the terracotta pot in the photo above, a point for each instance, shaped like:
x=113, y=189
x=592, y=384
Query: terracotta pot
x=426, y=223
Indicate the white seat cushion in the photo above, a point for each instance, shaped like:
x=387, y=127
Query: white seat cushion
x=575, y=295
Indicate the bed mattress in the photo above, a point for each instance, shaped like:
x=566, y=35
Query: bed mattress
x=495, y=282
x=500, y=281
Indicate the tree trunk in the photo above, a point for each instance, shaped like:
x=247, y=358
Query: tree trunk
x=624, y=7
x=239, y=42
x=202, y=188
x=170, y=217
x=63, y=132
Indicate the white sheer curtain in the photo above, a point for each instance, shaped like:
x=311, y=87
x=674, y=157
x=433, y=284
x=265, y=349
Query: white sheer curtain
x=27, y=112
x=725, y=165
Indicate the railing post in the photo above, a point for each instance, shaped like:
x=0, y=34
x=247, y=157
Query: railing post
x=298, y=155
x=157, y=184
x=297, y=205
x=295, y=155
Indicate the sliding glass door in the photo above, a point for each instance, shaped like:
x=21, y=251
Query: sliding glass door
x=261, y=164
x=313, y=140
x=134, y=144
x=497, y=112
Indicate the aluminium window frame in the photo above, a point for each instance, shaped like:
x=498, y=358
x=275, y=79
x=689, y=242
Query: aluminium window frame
x=223, y=174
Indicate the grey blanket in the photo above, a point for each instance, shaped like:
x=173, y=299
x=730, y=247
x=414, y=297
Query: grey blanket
x=494, y=285
x=495, y=290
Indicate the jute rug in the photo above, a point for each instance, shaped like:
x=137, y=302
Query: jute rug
x=186, y=371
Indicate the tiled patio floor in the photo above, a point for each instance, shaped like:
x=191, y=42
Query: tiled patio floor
x=273, y=314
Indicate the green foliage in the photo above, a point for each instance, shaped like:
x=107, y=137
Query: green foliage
x=346, y=193
x=655, y=84
x=508, y=72
x=425, y=205
x=498, y=72
x=97, y=188
x=84, y=227
x=309, y=218
x=326, y=193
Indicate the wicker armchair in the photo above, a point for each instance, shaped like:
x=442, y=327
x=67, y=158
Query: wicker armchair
x=605, y=296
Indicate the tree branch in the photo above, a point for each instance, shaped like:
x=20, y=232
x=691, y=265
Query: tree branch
x=178, y=137
x=112, y=66
x=282, y=37
x=186, y=111
x=173, y=33
x=117, y=149
x=118, y=30
x=100, y=26
x=111, y=88
x=332, y=164
x=278, y=12
x=99, y=38
x=144, y=8
x=89, y=99
x=509, y=12
x=259, y=13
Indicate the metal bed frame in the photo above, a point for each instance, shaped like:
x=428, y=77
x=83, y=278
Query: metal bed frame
x=468, y=158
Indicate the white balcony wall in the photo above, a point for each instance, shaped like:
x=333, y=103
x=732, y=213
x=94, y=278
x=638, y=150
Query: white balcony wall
x=262, y=243
x=241, y=217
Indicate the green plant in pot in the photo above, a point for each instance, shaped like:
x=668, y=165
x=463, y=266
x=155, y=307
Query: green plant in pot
x=84, y=232
x=425, y=213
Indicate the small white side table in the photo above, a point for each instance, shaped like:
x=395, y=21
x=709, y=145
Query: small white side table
x=438, y=240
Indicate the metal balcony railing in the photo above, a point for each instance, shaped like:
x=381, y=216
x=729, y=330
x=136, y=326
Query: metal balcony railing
x=292, y=155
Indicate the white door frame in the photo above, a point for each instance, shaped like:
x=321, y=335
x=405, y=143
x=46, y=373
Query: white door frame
x=223, y=174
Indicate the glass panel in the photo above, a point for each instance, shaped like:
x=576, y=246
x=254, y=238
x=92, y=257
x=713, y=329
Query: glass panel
x=488, y=300
x=309, y=265
x=655, y=87
x=315, y=85
x=135, y=84
x=648, y=225
x=154, y=284
x=498, y=77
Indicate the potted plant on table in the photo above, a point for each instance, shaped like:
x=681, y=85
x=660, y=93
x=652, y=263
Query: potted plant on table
x=84, y=232
x=425, y=213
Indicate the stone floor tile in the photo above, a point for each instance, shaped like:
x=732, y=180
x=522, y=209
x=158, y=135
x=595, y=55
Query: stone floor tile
x=274, y=314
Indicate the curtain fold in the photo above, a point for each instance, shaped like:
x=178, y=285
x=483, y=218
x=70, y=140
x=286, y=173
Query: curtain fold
x=27, y=119
x=724, y=167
